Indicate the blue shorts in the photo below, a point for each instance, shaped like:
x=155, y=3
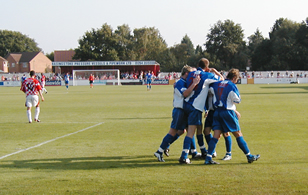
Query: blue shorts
x=149, y=81
x=179, y=119
x=66, y=82
x=209, y=119
x=194, y=115
x=226, y=121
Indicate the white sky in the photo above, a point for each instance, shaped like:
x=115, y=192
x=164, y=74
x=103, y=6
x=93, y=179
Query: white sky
x=58, y=24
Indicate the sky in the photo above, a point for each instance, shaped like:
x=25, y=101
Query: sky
x=59, y=24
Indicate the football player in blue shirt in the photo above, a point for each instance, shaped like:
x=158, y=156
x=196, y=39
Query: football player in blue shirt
x=196, y=103
x=179, y=118
x=149, y=77
x=67, y=80
x=208, y=127
x=225, y=119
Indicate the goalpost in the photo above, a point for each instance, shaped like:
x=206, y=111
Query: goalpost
x=101, y=77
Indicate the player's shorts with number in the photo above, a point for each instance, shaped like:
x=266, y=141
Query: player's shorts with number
x=32, y=100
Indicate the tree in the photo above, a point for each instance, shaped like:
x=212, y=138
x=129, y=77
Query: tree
x=301, y=46
x=254, y=41
x=167, y=61
x=124, y=43
x=148, y=44
x=51, y=56
x=224, y=41
x=282, y=37
x=97, y=45
x=262, y=56
x=12, y=41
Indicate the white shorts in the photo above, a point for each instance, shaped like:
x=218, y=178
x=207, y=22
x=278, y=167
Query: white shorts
x=32, y=100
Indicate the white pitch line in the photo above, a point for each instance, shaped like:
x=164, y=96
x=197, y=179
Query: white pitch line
x=38, y=145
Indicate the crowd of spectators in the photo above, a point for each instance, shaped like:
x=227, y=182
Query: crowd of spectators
x=274, y=74
x=161, y=75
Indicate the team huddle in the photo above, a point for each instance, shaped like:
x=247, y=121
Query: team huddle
x=202, y=89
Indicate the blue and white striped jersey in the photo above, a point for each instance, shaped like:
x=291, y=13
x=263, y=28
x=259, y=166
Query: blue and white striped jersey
x=226, y=95
x=198, y=96
x=178, y=98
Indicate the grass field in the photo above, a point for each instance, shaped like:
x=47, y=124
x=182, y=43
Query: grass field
x=102, y=140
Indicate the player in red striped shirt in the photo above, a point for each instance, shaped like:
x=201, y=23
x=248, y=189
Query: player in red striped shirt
x=43, y=80
x=32, y=88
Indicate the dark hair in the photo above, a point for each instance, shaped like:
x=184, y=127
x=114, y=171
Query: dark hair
x=203, y=63
x=32, y=73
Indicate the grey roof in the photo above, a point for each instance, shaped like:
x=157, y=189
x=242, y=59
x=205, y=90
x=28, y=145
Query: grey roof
x=25, y=56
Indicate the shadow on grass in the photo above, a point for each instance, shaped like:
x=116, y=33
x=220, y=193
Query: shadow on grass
x=88, y=163
x=132, y=118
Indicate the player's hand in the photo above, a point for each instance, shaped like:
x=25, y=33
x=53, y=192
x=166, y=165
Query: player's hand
x=237, y=114
x=42, y=98
x=196, y=80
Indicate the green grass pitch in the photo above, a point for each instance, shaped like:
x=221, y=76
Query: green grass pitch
x=102, y=140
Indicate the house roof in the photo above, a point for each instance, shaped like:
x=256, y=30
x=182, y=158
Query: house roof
x=23, y=56
x=3, y=59
x=64, y=56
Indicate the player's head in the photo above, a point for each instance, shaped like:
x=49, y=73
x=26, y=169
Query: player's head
x=32, y=73
x=186, y=69
x=204, y=63
x=233, y=75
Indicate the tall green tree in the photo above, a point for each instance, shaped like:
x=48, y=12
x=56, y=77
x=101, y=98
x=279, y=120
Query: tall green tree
x=148, y=44
x=99, y=44
x=301, y=44
x=167, y=61
x=224, y=41
x=124, y=43
x=12, y=41
x=261, y=56
x=282, y=37
x=254, y=41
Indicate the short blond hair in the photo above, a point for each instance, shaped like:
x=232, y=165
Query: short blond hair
x=186, y=69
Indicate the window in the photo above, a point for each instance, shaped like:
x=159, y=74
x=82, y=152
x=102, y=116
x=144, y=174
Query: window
x=13, y=65
x=24, y=64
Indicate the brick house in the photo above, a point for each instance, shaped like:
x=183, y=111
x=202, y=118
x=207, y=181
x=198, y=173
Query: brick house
x=3, y=65
x=63, y=56
x=26, y=61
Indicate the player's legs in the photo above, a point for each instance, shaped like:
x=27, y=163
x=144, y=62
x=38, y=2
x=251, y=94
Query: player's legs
x=194, y=119
x=212, y=146
x=37, y=113
x=228, y=142
x=29, y=114
x=31, y=100
x=244, y=147
x=201, y=140
x=177, y=127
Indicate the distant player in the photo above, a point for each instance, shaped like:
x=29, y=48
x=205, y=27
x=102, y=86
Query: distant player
x=149, y=78
x=225, y=119
x=91, y=80
x=67, y=80
x=43, y=80
x=31, y=87
x=23, y=78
